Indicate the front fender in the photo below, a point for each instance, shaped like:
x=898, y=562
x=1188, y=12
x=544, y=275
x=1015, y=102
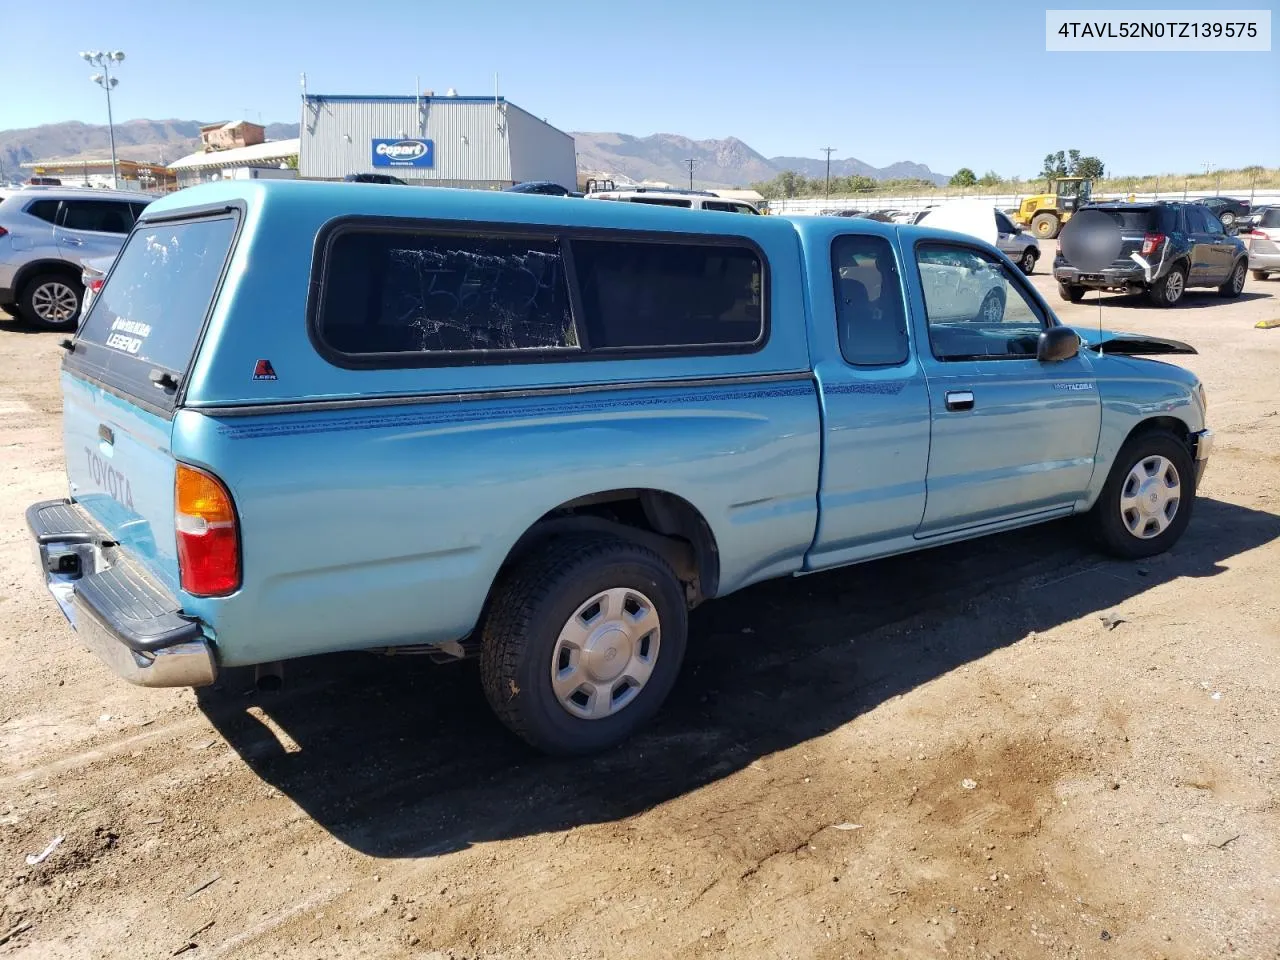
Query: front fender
x=1135, y=391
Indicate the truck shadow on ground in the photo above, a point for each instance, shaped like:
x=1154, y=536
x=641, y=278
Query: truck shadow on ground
x=398, y=757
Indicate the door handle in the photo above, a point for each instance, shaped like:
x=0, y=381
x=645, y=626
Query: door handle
x=73, y=241
x=959, y=400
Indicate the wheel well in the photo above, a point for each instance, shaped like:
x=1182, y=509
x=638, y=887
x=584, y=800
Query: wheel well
x=667, y=524
x=37, y=267
x=1168, y=424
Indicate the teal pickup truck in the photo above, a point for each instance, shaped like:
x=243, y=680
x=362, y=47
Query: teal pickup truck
x=304, y=418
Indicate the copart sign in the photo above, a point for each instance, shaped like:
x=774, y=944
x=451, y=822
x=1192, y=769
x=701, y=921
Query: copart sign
x=404, y=153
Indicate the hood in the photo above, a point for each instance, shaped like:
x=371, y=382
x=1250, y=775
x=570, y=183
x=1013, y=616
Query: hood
x=1131, y=344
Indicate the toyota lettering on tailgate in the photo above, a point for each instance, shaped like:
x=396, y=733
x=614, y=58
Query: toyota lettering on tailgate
x=110, y=479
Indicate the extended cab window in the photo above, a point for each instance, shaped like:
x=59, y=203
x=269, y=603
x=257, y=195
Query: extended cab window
x=975, y=310
x=388, y=292
x=151, y=313
x=646, y=295
x=871, y=316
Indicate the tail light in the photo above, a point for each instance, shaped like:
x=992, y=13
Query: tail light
x=3, y=232
x=1151, y=243
x=96, y=283
x=208, y=534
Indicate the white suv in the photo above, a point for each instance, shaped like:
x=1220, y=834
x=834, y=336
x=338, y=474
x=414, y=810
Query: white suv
x=45, y=237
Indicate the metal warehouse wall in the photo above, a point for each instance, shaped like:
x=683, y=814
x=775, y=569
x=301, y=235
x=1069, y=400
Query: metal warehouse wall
x=539, y=151
x=469, y=134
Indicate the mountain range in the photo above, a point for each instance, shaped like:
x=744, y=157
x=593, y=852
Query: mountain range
x=661, y=156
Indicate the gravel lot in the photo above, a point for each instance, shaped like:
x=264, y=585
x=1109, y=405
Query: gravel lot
x=803, y=794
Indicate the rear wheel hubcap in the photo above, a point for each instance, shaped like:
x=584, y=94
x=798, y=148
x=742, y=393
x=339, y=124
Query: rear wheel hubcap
x=606, y=653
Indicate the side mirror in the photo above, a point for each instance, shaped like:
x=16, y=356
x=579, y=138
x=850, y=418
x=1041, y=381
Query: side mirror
x=1057, y=344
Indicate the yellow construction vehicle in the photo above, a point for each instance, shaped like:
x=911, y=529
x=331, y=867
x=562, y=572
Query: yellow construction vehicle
x=1045, y=213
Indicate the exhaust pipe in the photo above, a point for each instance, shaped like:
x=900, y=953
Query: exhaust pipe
x=268, y=677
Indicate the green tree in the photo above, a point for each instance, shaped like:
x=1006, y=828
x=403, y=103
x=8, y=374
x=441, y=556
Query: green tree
x=964, y=177
x=291, y=162
x=1055, y=165
x=1090, y=167
x=990, y=179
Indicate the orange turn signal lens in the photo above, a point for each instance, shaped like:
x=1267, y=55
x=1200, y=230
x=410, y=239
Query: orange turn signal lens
x=208, y=534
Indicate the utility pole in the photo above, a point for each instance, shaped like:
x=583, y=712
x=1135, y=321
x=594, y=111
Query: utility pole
x=828, y=151
x=690, y=161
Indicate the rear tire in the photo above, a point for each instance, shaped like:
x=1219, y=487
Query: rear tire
x=541, y=621
x=1235, y=280
x=1257, y=275
x=1169, y=289
x=1045, y=226
x=51, y=301
x=1071, y=292
x=1133, y=536
x=1027, y=262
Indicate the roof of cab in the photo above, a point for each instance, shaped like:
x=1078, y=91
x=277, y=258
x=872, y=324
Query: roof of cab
x=330, y=200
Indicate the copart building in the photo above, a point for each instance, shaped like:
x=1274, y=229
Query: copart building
x=447, y=141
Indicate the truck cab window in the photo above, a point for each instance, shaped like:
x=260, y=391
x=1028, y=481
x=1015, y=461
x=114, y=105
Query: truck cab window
x=871, y=316
x=975, y=310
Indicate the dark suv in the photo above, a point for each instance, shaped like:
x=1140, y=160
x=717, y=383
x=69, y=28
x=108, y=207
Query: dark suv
x=1166, y=248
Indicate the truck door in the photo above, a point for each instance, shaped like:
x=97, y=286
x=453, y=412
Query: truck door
x=1011, y=437
x=875, y=401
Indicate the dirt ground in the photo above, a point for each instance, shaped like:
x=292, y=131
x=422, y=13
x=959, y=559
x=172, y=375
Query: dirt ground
x=950, y=754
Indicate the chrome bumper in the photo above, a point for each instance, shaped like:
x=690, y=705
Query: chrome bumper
x=135, y=627
x=1202, y=444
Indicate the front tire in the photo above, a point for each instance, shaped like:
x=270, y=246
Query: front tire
x=1235, y=281
x=1169, y=289
x=1145, y=505
x=1227, y=220
x=1071, y=292
x=582, y=643
x=992, y=309
x=51, y=301
x=1027, y=262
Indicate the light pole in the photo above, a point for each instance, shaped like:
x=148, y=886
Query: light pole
x=828, y=151
x=103, y=60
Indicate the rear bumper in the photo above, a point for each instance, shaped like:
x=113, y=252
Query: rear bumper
x=1110, y=278
x=1202, y=444
x=1264, y=261
x=134, y=626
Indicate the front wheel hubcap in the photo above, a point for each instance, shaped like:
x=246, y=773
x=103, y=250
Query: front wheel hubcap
x=1150, y=497
x=606, y=653
x=54, y=302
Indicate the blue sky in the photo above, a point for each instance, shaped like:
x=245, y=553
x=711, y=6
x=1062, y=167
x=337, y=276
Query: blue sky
x=948, y=84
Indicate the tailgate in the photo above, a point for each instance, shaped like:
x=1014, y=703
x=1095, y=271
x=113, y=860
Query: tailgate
x=119, y=468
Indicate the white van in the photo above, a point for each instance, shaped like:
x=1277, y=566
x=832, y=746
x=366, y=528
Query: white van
x=667, y=197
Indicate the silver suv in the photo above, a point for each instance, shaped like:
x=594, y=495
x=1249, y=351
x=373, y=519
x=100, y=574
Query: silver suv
x=45, y=237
